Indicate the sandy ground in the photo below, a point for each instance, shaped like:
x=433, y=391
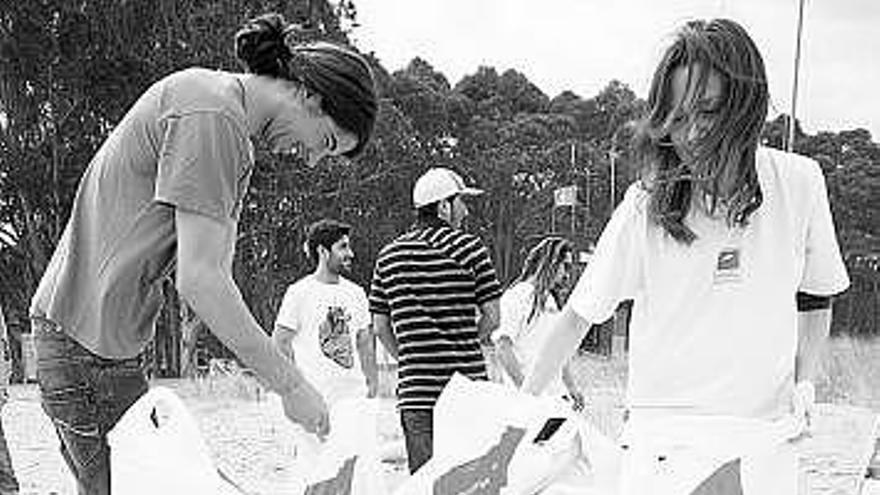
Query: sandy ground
x=253, y=445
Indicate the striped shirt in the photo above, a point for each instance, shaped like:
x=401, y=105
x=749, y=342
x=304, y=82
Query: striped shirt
x=430, y=281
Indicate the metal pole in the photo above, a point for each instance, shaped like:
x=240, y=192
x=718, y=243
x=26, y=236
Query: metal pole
x=574, y=200
x=613, y=156
x=789, y=144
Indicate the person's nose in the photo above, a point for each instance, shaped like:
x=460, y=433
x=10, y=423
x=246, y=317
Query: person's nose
x=697, y=128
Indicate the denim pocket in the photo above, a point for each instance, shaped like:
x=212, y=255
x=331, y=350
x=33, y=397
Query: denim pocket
x=75, y=416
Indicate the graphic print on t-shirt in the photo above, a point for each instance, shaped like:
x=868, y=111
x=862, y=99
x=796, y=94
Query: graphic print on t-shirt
x=334, y=339
x=728, y=267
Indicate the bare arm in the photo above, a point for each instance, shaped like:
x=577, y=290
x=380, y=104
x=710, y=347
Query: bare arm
x=366, y=347
x=490, y=317
x=509, y=361
x=577, y=397
x=283, y=338
x=813, y=330
x=382, y=327
x=561, y=344
x=204, y=280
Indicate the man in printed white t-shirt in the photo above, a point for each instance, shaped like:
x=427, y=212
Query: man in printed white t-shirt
x=324, y=321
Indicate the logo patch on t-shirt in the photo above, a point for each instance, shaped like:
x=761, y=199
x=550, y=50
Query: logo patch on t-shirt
x=334, y=339
x=728, y=268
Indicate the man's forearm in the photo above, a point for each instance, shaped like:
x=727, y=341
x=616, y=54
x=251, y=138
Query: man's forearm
x=283, y=338
x=814, y=328
x=382, y=327
x=366, y=344
x=216, y=299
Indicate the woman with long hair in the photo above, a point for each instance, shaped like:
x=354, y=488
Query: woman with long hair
x=528, y=307
x=729, y=252
x=162, y=196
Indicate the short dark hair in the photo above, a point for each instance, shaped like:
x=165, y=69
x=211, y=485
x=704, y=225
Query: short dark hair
x=324, y=232
x=342, y=77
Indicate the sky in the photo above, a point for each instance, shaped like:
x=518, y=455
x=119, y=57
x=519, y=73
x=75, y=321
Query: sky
x=581, y=45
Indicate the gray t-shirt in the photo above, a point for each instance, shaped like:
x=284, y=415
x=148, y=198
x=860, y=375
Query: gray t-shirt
x=183, y=144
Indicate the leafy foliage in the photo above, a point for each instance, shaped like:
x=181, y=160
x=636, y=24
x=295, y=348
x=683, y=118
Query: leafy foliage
x=70, y=70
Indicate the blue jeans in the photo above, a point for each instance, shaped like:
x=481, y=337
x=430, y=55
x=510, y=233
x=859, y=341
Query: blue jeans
x=418, y=431
x=84, y=395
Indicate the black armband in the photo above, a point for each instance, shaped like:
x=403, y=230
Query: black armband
x=810, y=302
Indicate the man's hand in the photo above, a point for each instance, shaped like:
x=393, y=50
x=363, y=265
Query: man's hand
x=372, y=388
x=305, y=406
x=803, y=403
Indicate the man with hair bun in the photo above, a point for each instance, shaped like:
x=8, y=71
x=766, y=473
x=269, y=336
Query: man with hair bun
x=161, y=198
x=729, y=252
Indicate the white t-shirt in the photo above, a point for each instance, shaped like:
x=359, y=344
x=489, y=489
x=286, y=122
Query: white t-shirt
x=714, y=326
x=326, y=318
x=527, y=336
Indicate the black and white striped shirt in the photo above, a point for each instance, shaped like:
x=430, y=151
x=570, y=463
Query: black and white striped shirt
x=430, y=281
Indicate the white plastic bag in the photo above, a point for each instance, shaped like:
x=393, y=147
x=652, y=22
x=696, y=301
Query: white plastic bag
x=484, y=440
x=347, y=463
x=683, y=454
x=156, y=447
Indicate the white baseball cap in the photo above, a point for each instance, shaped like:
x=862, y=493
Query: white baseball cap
x=439, y=183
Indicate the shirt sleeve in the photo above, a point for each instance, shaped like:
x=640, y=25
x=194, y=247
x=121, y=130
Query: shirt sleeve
x=378, y=297
x=486, y=282
x=615, y=272
x=824, y=272
x=360, y=314
x=202, y=163
x=515, y=306
x=287, y=312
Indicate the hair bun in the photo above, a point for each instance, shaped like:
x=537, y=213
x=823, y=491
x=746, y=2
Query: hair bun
x=260, y=44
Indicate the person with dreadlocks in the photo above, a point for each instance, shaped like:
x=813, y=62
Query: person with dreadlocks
x=720, y=244
x=528, y=306
x=162, y=196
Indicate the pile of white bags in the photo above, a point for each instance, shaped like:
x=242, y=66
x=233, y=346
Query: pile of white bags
x=487, y=440
x=157, y=447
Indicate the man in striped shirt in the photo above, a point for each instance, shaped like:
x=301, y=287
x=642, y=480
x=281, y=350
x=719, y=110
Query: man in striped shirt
x=434, y=298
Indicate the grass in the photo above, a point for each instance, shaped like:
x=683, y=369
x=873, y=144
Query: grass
x=851, y=373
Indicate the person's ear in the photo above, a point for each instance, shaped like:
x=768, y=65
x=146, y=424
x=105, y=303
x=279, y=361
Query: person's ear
x=322, y=252
x=312, y=102
x=444, y=208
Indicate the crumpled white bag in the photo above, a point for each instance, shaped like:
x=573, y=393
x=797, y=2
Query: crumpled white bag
x=484, y=443
x=156, y=447
x=348, y=461
x=676, y=455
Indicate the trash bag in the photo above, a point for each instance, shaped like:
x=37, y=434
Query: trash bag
x=696, y=455
x=348, y=461
x=156, y=447
x=492, y=439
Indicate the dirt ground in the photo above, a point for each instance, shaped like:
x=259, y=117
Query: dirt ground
x=253, y=444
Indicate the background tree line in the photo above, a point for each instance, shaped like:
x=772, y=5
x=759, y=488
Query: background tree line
x=69, y=71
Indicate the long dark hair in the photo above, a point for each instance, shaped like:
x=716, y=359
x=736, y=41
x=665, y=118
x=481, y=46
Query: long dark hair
x=542, y=264
x=720, y=170
x=342, y=77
